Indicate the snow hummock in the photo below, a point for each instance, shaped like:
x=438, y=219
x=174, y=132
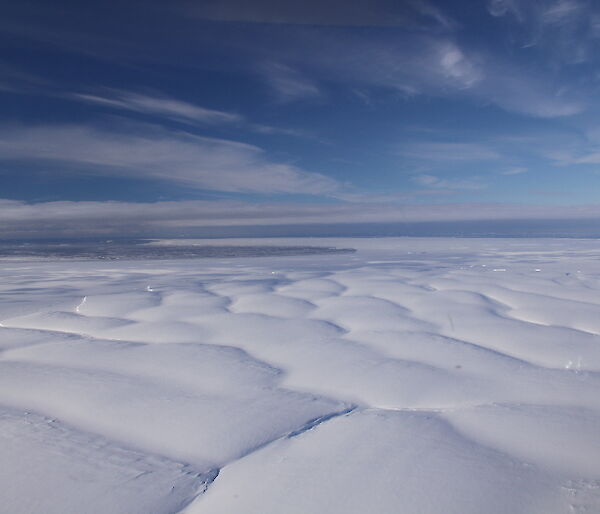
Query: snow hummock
x=426, y=376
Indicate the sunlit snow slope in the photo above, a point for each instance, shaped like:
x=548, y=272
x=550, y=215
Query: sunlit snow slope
x=421, y=376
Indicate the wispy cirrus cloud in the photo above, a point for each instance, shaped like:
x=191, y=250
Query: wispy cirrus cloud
x=514, y=171
x=16, y=80
x=590, y=158
x=158, y=106
x=448, y=151
x=413, y=63
x=448, y=183
x=337, y=13
x=568, y=31
x=560, y=148
x=149, y=152
x=424, y=55
x=434, y=65
x=539, y=95
x=289, y=84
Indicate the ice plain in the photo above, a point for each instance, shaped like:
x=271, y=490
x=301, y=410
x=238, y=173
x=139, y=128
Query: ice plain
x=422, y=376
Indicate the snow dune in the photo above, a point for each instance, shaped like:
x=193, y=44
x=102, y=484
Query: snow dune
x=411, y=376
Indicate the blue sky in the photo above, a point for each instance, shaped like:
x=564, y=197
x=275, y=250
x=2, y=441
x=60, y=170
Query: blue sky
x=166, y=117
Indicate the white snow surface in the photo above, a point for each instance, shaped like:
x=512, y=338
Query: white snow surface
x=410, y=376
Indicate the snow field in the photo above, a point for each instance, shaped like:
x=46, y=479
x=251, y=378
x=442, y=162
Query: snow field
x=407, y=377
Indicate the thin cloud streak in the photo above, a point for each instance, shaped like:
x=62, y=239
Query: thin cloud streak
x=124, y=218
x=340, y=13
x=442, y=151
x=151, y=153
x=159, y=106
x=444, y=183
x=514, y=171
x=289, y=84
